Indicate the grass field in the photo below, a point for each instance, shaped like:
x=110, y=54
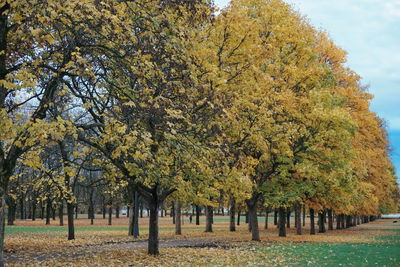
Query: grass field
x=34, y=244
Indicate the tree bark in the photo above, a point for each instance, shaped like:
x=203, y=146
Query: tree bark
x=48, y=211
x=209, y=211
x=321, y=223
x=338, y=223
x=178, y=219
x=197, y=215
x=117, y=211
x=134, y=214
x=330, y=219
x=288, y=217
x=2, y=224
x=110, y=214
x=312, y=222
x=232, y=226
x=297, y=215
x=282, y=222
x=61, y=213
x=253, y=219
x=153, y=226
x=276, y=217
x=238, y=218
x=70, y=218
x=304, y=215
x=266, y=218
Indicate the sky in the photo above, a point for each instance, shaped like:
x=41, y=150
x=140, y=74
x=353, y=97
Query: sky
x=369, y=30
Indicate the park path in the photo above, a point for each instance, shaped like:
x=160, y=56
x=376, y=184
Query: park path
x=82, y=250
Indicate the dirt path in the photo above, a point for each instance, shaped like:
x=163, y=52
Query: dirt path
x=82, y=250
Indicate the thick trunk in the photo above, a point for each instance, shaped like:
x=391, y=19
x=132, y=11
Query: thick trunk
x=297, y=215
x=232, y=226
x=61, y=213
x=246, y=220
x=209, y=214
x=70, y=217
x=330, y=219
x=253, y=220
x=12, y=205
x=282, y=221
x=312, y=222
x=153, y=227
x=134, y=214
x=197, y=215
x=178, y=219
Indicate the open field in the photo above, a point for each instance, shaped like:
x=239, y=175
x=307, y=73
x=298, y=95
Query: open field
x=34, y=244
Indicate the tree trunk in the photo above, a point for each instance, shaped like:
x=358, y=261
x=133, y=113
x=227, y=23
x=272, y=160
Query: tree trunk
x=232, y=226
x=173, y=212
x=297, y=218
x=197, y=215
x=312, y=222
x=76, y=211
x=53, y=212
x=276, y=217
x=110, y=214
x=266, y=218
x=61, y=213
x=330, y=219
x=253, y=220
x=41, y=210
x=104, y=209
x=117, y=212
x=281, y=222
x=153, y=226
x=134, y=214
x=246, y=220
x=12, y=205
x=209, y=211
x=2, y=224
x=288, y=217
x=238, y=218
x=178, y=219
x=70, y=216
x=48, y=211
x=321, y=224
x=21, y=208
x=34, y=205
x=338, y=222
x=304, y=215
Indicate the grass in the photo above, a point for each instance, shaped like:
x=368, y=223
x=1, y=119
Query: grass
x=373, y=244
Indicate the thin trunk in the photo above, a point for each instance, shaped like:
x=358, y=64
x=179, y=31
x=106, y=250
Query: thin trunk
x=209, y=211
x=266, y=218
x=178, y=219
x=297, y=215
x=41, y=210
x=288, y=211
x=282, y=223
x=110, y=214
x=48, y=212
x=34, y=205
x=246, y=217
x=61, y=213
x=21, y=208
x=238, y=218
x=70, y=215
x=76, y=211
x=104, y=209
x=330, y=219
x=312, y=222
x=338, y=222
x=321, y=224
x=117, y=212
x=276, y=217
x=197, y=215
x=232, y=212
x=304, y=215
x=2, y=224
x=53, y=212
x=173, y=212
